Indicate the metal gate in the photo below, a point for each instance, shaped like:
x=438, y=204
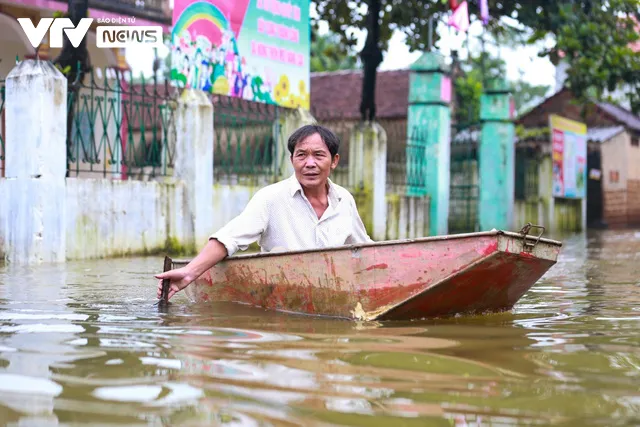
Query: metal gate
x=247, y=144
x=464, y=185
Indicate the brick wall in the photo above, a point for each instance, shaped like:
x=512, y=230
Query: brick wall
x=633, y=201
x=615, y=208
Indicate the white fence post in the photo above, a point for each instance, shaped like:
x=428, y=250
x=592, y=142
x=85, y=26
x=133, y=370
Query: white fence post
x=368, y=176
x=36, y=164
x=193, y=164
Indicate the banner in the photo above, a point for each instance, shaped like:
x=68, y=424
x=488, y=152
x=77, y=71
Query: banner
x=569, y=157
x=256, y=50
x=460, y=17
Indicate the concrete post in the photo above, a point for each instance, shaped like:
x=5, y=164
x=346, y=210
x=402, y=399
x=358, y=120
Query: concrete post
x=429, y=137
x=36, y=163
x=496, y=158
x=193, y=164
x=368, y=176
x=288, y=122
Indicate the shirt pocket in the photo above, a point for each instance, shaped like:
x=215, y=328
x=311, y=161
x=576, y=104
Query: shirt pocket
x=339, y=232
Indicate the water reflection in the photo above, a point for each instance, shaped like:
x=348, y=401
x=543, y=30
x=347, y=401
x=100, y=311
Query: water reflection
x=83, y=343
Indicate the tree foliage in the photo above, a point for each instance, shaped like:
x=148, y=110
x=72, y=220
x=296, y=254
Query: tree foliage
x=479, y=69
x=593, y=36
x=328, y=54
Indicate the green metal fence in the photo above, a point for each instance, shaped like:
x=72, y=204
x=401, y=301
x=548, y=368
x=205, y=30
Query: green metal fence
x=247, y=135
x=120, y=129
x=464, y=183
x=2, y=132
x=417, y=162
x=396, y=155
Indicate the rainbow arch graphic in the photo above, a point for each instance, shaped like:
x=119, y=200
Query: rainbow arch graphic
x=201, y=11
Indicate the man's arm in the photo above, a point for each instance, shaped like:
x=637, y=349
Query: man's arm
x=247, y=227
x=180, y=278
x=239, y=233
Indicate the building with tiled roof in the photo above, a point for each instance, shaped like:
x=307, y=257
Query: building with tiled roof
x=613, y=159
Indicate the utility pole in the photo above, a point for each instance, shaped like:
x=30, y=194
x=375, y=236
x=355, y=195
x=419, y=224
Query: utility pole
x=77, y=63
x=371, y=57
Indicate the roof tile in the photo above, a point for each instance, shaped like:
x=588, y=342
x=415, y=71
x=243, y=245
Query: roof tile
x=336, y=95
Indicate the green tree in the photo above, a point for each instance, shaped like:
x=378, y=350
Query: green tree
x=592, y=35
x=482, y=68
x=328, y=54
x=524, y=93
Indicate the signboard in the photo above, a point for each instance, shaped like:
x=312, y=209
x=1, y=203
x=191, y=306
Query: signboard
x=252, y=49
x=569, y=157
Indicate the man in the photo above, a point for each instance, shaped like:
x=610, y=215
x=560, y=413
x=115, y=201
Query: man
x=305, y=211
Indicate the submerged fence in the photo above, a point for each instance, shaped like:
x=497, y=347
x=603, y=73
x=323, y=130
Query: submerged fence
x=397, y=166
x=246, y=147
x=464, y=182
x=120, y=129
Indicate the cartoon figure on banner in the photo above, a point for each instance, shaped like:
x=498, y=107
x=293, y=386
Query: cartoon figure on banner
x=558, y=179
x=195, y=68
x=207, y=56
x=240, y=80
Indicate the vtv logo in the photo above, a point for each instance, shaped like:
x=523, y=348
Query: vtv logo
x=35, y=34
x=107, y=36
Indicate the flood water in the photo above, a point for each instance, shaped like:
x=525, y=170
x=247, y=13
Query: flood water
x=82, y=343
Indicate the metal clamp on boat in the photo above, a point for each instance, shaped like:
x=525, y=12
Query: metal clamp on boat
x=528, y=246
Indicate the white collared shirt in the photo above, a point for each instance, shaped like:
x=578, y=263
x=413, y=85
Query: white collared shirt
x=279, y=216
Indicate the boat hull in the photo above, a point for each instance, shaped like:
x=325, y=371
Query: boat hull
x=396, y=280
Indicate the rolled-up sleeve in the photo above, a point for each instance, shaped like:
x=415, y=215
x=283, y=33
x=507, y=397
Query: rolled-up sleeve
x=245, y=228
x=358, y=230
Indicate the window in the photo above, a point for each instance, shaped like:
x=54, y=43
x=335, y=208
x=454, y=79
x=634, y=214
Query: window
x=614, y=176
x=635, y=140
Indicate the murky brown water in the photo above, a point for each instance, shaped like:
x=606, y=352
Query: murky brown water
x=83, y=344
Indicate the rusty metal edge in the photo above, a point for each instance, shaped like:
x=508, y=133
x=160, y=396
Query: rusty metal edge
x=383, y=243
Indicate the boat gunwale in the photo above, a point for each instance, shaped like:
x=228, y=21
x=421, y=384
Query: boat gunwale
x=387, y=243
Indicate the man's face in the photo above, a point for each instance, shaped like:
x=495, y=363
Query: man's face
x=312, y=161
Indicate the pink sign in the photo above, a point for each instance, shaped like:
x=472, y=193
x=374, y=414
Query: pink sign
x=252, y=49
x=445, y=89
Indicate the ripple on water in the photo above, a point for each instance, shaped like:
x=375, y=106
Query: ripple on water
x=42, y=316
x=150, y=394
x=14, y=383
x=133, y=393
x=41, y=328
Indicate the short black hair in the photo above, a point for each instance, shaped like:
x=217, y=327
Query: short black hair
x=329, y=138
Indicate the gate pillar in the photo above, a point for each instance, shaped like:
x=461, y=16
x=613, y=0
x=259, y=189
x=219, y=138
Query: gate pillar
x=496, y=157
x=429, y=137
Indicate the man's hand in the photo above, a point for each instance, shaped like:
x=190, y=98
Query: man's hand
x=180, y=279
